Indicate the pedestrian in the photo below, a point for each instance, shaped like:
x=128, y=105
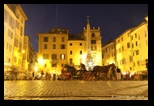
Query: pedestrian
x=49, y=76
x=118, y=73
x=46, y=76
x=118, y=70
x=33, y=75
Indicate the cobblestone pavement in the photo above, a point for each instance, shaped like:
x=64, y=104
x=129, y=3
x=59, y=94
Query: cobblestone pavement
x=75, y=90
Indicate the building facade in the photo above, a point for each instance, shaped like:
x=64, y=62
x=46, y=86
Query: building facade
x=57, y=48
x=132, y=48
x=108, y=53
x=29, y=60
x=14, y=23
x=52, y=50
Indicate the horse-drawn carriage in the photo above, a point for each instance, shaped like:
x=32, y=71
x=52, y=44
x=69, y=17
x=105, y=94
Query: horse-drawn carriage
x=98, y=73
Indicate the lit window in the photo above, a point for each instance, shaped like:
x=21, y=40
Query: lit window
x=62, y=56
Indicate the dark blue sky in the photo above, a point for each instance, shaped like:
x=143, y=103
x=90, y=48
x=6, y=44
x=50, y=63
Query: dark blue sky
x=113, y=19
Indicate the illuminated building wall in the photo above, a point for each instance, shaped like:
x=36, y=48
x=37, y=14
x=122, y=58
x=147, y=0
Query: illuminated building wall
x=55, y=49
x=14, y=23
x=132, y=48
x=52, y=50
x=139, y=41
x=108, y=53
x=123, y=55
x=76, y=53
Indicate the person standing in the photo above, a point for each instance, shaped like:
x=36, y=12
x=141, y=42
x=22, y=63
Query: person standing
x=118, y=73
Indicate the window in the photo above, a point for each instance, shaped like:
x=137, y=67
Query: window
x=10, y=33
x=91, y=47
x=93, y=41
x=17, y=24
x=54, y=56
x=16, y=42
x=80, y=44
x=137, y=52
x=11, y=22
x=138, y=62
x=54, y=39
x=136, y=43
x=131, y=37
x=121, y=38
x=128, y=45
x=45, y=46
x=95, y=47
x=124, y=61
x=54, y=65
x=45, y=39
x=119, y=41
x=135, y=35
x=80, y=52
x=131, y=58
x=62, y=46
x=62, y=39
x=93, y=35
x=54, y=46
x=70, y=44
x=45, y=56
x=71, y=61
x=71, y=52
x=132, y=45
x=62, y=56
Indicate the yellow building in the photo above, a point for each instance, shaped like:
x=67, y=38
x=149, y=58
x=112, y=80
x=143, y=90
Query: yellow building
x=52, y=50
x=76, y=53
x=132, y=48
x=58, y=47
x=14, y=23
x=108, y=53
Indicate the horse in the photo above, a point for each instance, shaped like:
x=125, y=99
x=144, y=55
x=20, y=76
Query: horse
x=71, y=69
x=104, y=72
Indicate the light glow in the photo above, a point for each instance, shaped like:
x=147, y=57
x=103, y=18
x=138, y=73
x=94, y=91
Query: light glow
x=40, y=60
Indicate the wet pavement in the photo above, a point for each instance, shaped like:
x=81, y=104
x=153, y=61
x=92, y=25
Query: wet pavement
x=75, y=90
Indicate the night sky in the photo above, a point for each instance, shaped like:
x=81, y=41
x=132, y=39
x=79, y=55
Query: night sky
x=113, y=19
